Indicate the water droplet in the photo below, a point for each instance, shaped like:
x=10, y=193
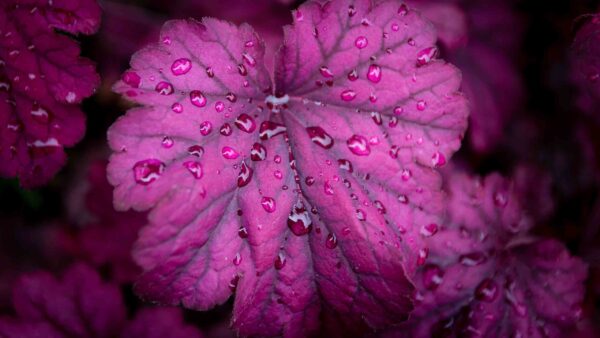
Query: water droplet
x=177, y=108
x=268, y=203
x=348, y=95
x=325, y=72
x=411, y=42
x=433, y=276
x=210, y=72
x=500, y=199
x=233, y=283
x=380, y=207
x=132, y=79
x=270, y=129
x=361, y=215
x=219, y=106
x=258, y=152
x=243, y=232
x=353, y=75
x=280, y=261
x=359, y=145
x=250, y=61
x=249, y=44
x=394, y=151
x=245, y=123
x=242, y=70
x=361, y=42
x=195, y=168
x=374, y=73
x=299, y=220
x=422, y=257
x=320, y=137
x=278, y=174
x=345, y=165
x=167, y=142
x=196, y=150
x=205, y=128
x=237, y=260
x=309, y=180
x=421, y=105
x=166, y=40
x=429, y=230
x=403, y=199
x=231, y=97
x=395, y=27
x=181, y=66
x=376, y=117
x=473, y=259
x=398, y=110
x=393, y=122
x=229, y=153
x=277, y=159
x=327, y=188
x=225, y=129
x=406, y=174
x=148, y=171
x=197, y=98
x=245, y=175
x=403, y=10
x=487, y=290
x=426, y=55
x=164, y=88
x=438, y=159
x=40, y=114
x=331, y=241
x=351, y=11
x=372, y=98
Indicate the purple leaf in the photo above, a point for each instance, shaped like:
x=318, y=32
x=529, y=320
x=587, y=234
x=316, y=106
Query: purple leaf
x=80, y=304
x=77, y=305
x=449, y=19
x=585, y=64
x=273, y=193
x=486, y=276
x=42, y=81
x=491, y=80
x=108, y=240
x=159, y=323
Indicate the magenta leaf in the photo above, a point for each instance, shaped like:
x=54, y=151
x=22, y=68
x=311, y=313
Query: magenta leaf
x=80, y=304
x=42, y=81
x=306, y=197
x=585, y=64
x=159, y=323
x=477, y=38
x=107, y=241
x=485, y=276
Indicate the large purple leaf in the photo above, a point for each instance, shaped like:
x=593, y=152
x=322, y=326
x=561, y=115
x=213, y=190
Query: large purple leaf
x=42, y=81
x=486, y=276
x=313, y=195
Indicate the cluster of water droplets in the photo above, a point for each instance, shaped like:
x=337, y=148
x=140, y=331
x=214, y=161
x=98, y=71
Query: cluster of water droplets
x=299, y=219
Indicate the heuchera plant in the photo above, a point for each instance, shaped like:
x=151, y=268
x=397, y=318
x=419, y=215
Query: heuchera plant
x=42, y=82
x=307, y=192
x=479, y=37
x=487, y=276
x=81, y=305
x=106, y=242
